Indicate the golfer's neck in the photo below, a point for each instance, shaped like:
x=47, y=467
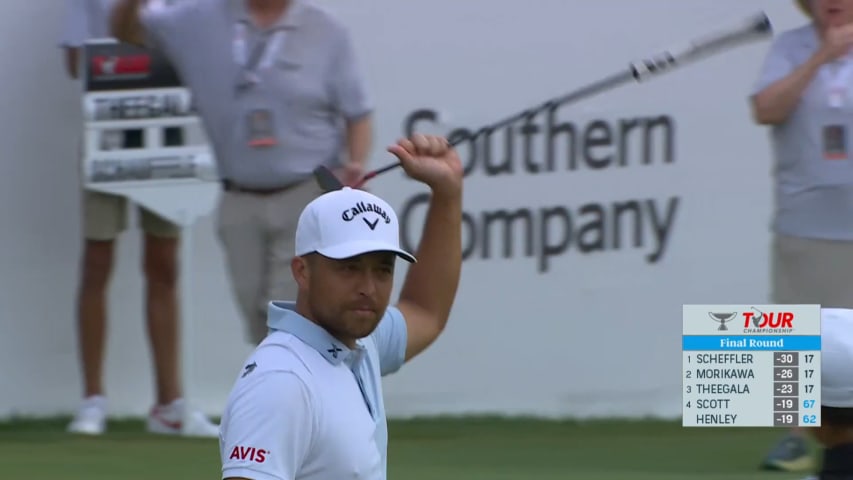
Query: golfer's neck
x=302, y=309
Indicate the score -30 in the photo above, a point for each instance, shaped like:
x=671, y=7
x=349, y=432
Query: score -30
x=140, y=106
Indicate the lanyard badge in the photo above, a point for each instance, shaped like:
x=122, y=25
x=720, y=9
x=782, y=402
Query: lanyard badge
x=261, y=58
x=835, y=142
x=835, y=136
x=838, y=81
x=260, y=123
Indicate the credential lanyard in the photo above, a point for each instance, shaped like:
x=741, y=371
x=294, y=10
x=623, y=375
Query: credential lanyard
x=838, y=82
x=262, y=57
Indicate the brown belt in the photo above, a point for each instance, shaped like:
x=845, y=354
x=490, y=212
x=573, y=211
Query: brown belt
x=229, y=186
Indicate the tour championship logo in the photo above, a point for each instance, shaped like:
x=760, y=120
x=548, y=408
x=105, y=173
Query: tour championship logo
x=756, y=321
x=543, y=144
x=722, y=318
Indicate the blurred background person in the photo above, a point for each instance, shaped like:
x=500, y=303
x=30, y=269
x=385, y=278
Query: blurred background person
x=804, y=95
x=104, y=218
x=280, y=92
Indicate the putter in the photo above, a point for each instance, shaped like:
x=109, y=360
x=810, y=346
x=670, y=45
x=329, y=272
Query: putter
x=753, y=28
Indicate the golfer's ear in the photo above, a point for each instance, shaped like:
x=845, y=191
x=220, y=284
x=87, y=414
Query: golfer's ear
x=301, y=270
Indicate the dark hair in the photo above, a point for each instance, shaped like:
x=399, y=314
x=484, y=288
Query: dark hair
x=836, y=416
x=310, y=257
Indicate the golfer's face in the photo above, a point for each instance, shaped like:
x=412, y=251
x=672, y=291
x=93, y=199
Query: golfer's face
x=350, y=296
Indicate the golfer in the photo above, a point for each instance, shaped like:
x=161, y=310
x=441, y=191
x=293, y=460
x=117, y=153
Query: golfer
x=307, y=404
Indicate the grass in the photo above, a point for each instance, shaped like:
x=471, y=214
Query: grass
x=435, y=449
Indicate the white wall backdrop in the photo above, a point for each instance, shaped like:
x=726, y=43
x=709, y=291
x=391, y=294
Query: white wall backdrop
x=594, y=334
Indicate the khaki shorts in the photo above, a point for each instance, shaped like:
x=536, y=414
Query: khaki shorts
x=257, y=233
x=105, y=217
x=807, y=271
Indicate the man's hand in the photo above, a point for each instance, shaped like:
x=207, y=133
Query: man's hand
x=432, y=160
x=838, y=42
x=350, y=174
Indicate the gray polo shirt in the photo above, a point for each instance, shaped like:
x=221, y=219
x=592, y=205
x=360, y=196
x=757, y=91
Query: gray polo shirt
x=313, y=84
x=813, y=193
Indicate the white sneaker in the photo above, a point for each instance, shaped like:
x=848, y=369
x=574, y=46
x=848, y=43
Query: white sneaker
x=91, y=418
x=169, y=420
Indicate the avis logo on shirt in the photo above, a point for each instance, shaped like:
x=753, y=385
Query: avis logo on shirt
x=257, y=455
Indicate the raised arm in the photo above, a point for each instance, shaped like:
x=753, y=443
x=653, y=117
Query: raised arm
x=430, y=286
x=782, y=84
x=774, y=104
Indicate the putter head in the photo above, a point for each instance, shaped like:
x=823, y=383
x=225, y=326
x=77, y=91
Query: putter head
x=762, y=24
x=326, y=179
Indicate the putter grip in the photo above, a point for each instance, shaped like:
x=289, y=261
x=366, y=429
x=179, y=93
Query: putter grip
x=753, y=28
x=394, y=165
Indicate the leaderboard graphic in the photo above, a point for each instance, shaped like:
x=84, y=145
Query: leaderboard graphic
x=751, y=366
x=140, y=121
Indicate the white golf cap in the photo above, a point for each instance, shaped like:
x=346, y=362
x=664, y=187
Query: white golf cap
x=348, y=222
x=836, y=357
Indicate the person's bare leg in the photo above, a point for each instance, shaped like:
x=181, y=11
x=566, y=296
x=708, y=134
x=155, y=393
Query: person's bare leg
x=92, y=313
x=160, y=265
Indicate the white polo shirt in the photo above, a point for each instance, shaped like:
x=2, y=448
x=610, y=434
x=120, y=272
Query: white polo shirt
x=307, y=407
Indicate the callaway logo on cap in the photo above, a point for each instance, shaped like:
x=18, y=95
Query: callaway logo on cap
x=348, y=222
x=358, y=209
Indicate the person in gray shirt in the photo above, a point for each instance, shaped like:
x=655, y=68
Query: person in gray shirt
x=804, y=95
x=278, y=88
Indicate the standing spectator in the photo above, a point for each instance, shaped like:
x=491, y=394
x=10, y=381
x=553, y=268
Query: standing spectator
x=104, y=219
x=804, y=94
x=278, y=88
